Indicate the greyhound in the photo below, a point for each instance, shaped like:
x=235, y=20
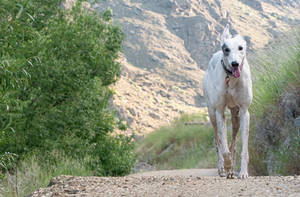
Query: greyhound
x=227, y=83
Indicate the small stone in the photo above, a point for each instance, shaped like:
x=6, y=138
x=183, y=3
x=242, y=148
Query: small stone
x=132, y=111
x=154, y=116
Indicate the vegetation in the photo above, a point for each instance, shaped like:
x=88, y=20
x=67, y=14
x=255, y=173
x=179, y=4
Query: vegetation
x=179, y=145
x=56, y=66
x=31, y=173
x=274, y=69
x=275, y=142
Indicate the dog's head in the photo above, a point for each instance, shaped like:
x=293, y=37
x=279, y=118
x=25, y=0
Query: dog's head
x=234, y=51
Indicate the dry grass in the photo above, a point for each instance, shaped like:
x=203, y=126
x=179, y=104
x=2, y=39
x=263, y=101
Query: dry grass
x=32, y=174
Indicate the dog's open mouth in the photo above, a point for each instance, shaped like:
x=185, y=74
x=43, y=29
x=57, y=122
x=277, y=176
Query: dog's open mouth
x=236, y=71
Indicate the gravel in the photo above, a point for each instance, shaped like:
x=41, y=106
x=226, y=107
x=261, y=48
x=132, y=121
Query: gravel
x=172, y=183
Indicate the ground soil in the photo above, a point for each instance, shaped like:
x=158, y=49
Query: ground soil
x=194, y=182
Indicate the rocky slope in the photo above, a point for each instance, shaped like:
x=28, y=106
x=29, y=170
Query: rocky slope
x=168, y=45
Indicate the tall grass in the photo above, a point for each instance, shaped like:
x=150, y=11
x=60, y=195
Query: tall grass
x=275, y=71
x=179, y=145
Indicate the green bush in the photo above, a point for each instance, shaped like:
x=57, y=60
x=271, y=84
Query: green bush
x=56, y=66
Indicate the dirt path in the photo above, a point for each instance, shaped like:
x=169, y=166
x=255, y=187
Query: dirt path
x=195, y=182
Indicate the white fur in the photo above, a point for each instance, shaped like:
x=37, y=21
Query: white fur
x=236, y=95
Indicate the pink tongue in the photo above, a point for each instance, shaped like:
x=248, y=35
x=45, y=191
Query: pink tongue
x=236, y=72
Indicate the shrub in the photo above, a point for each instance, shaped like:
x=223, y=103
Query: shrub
x=56, y=68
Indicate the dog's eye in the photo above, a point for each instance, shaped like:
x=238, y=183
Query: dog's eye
x=240, y=48
x=227, y=50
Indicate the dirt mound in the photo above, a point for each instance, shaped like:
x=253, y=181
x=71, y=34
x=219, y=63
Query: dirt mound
x=171, y=185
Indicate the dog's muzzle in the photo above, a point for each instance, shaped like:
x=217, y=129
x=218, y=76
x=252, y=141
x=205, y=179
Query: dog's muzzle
x=236, y=68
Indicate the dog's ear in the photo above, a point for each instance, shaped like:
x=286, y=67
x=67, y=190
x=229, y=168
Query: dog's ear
x=225, y=35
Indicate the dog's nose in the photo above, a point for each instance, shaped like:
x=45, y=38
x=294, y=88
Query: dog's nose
x=234, y=64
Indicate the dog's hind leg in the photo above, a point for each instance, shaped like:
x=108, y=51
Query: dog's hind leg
x=212, y=116
x=235, y=119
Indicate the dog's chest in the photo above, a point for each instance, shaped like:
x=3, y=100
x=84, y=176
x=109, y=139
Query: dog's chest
x=231, y=97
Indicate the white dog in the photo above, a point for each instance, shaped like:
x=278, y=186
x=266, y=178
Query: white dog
x=227, y=83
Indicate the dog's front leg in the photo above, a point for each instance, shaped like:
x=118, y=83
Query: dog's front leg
x=222, y=133
x=244, y=122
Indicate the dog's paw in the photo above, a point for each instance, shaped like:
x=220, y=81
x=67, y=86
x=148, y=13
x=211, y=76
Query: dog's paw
x=243, y=175
x=222, y=172
x=230, y=175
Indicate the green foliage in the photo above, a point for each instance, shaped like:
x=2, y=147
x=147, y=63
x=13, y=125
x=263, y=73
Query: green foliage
x=179, y=145
x=56, y=66
x=273, y=70
x=114, y=155
x=7, y=161
x=274, y=149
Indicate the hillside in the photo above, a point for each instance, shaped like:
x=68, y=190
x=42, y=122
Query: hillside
x=168, y=45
